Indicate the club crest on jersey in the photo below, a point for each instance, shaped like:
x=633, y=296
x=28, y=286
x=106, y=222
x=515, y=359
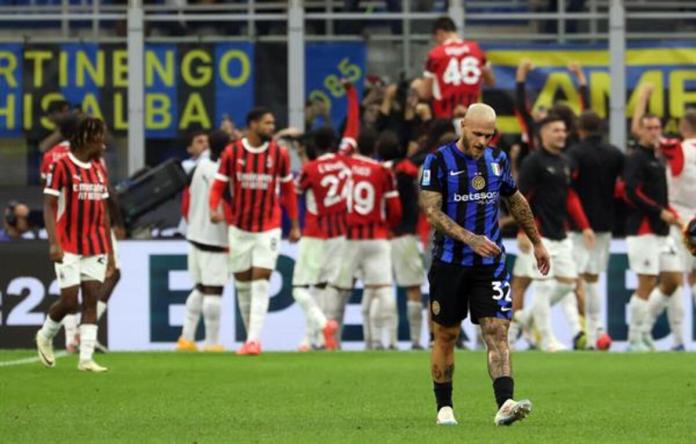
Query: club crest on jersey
x=426, y=178
x=495, y=167
x=478, y=182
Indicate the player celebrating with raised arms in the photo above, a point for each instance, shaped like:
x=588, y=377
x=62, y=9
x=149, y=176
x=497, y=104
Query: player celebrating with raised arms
x=257, y=171
x=462, y=184
x=78, y=227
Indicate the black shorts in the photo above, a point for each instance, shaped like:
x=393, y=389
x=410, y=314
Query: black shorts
x=456, y=290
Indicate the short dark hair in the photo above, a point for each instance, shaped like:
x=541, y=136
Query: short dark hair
x=192, y=136
x=444, y=23
x=58, y=106
x=68, y=125
x=257, y=114
x=218, y=140
x=389, y=147
x=567, y=114
x=550, y=118
x=649, y=116
x=323, y=139
x=590, y=122
x=366, y=142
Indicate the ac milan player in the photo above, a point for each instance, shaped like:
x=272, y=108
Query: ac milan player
x=681, y=185
x=373, y=209
x=454, y=71
x=78, y=228
x=406, y=258
x=60, y=150
x=208, y=252
x=323, y=182
x=257, y=171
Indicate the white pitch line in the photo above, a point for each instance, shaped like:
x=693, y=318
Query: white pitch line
x=60, y=354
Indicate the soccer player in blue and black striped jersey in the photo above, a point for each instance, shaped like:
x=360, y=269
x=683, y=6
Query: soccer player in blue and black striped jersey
x=462, y=184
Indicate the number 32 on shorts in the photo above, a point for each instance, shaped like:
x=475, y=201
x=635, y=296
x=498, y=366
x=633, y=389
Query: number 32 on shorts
x=501, y=290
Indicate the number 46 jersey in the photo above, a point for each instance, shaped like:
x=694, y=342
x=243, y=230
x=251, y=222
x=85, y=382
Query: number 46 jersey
x=324, y=183
x=456, y=70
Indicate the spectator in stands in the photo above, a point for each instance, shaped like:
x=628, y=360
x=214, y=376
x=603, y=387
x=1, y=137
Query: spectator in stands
x=18, y=220
x=228, y=126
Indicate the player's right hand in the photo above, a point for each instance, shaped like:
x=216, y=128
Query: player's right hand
x=216, y=217
x=55, y=252
x=484, y=246
x=543, y=258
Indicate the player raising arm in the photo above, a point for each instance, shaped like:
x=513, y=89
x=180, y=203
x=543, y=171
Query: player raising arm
x=78, y=227
x=461, y=185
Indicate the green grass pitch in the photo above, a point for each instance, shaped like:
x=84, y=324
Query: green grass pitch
x=344, y=397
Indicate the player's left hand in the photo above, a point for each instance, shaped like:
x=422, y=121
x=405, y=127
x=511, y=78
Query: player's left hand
x=294, y=234
x=589, y=237
x=216, y=217
x=543, y=258
x=110, y=265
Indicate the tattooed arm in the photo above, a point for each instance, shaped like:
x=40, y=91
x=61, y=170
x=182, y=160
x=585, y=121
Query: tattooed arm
x=520, y=210
x=431, y=204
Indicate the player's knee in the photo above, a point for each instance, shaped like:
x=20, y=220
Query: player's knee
x=446, y=335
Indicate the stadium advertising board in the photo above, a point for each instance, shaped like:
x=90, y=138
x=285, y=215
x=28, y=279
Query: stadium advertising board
x=191, y=86
x=147, y=309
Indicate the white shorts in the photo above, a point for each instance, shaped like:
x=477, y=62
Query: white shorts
x=249, y=249
x=651, y=254
x=562, y=264
x=114, y=248
x=594, y=261
x=318, y=260
x=524, y=265
x=687, y=259
x=208, y=267
x=75, y=269
x=407, y=261
x=370, y=259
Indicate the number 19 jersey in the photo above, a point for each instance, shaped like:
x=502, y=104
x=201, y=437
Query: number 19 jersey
x=323, y=181
x=371, y=184
x=456, y=70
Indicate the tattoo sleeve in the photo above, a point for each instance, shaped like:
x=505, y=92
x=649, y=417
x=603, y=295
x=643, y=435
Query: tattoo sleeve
x=520, y=210
x=431, y=204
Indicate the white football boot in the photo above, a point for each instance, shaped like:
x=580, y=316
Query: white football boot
x=512, y=411
x=91, y=366
x=446, y=417
x=45, y=349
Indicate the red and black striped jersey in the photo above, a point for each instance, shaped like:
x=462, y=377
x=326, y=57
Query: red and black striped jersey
x=81, y=189
x=371, y=185
x=56, y=153
x=255, y=175
x=323, y=181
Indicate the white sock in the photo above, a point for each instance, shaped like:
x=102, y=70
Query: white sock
x=243, y=296
x=415, y=320
x=657, y=302
x=675, y=316
x=211, y=318
x=319, y=295
x=375, y=319
x=388, y=313
x=637, y=312
x=88, y=337
x=569, y=304
x=365, y=308
x=315, y=318
x=70, y=322
x=541, y=309
x=194, y=302
x=101, y=308
x=560, y=291
x=593, y=307
x=259, y=307
x=50, y=328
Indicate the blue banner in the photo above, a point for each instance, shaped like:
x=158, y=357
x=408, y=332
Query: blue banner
x=325, y=65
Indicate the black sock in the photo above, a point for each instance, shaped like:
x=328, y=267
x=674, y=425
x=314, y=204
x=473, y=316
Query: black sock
x=443, y=394
x=503, y=388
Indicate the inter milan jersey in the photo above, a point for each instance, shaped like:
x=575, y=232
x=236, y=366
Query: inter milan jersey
x=81, y=189
x=471, y=190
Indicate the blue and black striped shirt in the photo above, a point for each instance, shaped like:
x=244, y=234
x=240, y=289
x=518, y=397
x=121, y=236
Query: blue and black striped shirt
x=471, y=190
